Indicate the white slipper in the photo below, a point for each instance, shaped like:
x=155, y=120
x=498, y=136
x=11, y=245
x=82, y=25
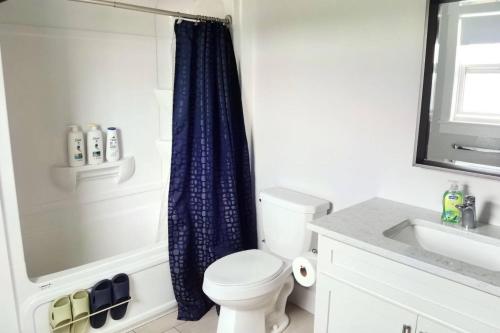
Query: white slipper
x=60, y=315
x=80, y=309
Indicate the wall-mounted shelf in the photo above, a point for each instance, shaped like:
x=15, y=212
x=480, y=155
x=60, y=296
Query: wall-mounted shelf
x=68, y=178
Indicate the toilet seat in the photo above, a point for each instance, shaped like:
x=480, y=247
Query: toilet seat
x=244, y=275
x=244, y=268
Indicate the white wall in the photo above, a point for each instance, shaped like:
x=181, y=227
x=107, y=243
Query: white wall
x=335, y=93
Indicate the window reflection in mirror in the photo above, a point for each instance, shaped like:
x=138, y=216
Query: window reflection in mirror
x=460, y=117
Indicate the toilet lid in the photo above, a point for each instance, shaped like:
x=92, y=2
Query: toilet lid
x=244, y=268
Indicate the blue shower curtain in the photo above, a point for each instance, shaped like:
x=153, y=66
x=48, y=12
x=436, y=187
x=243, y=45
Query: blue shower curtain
x=211, y=207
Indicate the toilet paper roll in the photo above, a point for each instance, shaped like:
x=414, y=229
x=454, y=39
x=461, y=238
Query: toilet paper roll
x=304, y=269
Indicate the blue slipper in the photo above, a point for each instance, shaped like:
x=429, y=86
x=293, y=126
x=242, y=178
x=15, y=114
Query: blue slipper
x=100, y=299
x=121, y=293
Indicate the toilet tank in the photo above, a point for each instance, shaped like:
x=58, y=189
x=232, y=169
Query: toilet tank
x=285, y=214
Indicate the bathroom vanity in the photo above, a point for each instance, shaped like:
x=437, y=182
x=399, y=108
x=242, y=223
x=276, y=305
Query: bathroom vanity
x=388, y=267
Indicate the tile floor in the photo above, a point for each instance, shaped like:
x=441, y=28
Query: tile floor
x=300, y=322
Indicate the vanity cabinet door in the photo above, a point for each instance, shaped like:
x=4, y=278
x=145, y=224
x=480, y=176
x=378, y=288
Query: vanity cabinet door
x=341, y=308
x=426, y=325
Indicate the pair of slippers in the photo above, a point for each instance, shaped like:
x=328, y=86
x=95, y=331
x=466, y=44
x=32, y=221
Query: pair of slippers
x=106, y=294
x=70, y=314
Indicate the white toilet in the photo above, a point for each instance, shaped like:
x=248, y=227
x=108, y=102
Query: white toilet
x=252, y=286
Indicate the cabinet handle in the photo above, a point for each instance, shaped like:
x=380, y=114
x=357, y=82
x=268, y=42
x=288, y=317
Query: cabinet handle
x=406, y=329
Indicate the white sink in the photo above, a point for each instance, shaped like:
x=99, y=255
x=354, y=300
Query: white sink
x=470, y=247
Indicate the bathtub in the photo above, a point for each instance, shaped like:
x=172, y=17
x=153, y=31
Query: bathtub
x=62, y=255
x=150, y=284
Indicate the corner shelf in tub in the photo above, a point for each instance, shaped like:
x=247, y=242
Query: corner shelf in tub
x=68, y=178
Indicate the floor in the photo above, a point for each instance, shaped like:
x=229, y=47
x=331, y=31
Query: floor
x=300, y=322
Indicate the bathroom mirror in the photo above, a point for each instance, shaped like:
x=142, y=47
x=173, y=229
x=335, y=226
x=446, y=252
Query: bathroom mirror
x=459, y=124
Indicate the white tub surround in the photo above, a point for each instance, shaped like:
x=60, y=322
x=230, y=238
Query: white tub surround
x=65, y=229
x=395, y=285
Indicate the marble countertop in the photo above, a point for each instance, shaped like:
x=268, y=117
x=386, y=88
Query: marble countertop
x=363, y=226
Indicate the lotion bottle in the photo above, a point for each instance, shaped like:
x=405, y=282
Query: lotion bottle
x=112, y=145
x=94, y=145
x=76, y=147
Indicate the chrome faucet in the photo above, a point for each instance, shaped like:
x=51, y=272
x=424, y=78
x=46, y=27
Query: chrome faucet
x=468, y=210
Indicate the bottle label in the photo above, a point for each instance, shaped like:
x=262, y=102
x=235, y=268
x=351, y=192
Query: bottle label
x=452, y=214
x=78, y=155
x=95, y=150
x=113, y=143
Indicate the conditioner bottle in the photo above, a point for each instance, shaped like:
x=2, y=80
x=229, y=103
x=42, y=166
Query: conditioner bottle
x=112, y=145
x=95, y=153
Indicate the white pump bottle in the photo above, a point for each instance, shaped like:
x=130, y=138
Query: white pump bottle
x=95, y=153
x=76, y=147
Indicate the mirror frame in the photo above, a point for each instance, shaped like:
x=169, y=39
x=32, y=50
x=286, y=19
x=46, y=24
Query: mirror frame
x=423, y=121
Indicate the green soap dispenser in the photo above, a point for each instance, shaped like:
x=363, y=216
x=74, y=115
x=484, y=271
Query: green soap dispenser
x=452, y=198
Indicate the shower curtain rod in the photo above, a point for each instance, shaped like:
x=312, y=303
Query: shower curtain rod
x=122, y=5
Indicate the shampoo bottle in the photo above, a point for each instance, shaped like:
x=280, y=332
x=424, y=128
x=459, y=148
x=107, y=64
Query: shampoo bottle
x=112, y=145
x=76, y=147
x=452, y=198
x=94, y=145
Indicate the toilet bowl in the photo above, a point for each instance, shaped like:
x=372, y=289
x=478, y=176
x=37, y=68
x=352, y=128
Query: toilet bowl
x=252, y=288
